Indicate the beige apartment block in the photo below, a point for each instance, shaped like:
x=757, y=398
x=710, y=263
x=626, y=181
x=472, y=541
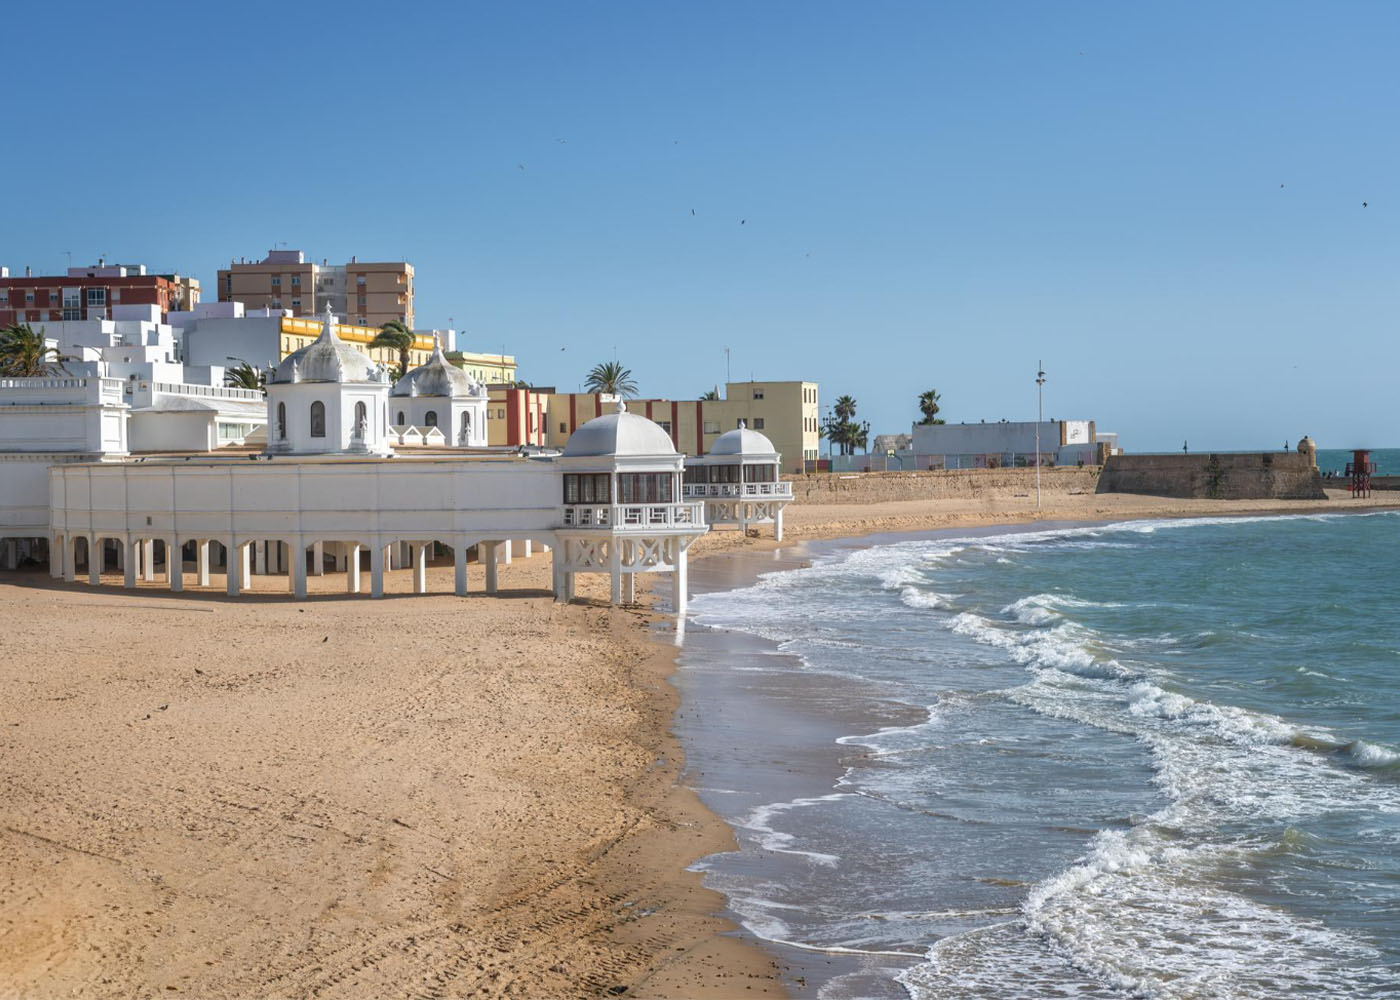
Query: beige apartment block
x=365, y=293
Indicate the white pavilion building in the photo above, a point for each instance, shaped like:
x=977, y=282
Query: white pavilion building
x=740, y=481
x=439, y=395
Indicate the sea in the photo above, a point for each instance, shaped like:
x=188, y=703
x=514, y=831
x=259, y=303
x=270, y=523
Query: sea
x=1144, y=759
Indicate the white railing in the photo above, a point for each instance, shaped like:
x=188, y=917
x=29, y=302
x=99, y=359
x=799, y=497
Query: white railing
x=774, y=490
x=633, y=516
x=214, y=391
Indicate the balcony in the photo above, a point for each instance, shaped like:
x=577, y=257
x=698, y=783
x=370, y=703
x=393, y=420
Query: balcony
x=634, y=517
x=737, y=491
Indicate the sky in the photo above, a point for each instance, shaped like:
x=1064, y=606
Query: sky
x=1163, y=202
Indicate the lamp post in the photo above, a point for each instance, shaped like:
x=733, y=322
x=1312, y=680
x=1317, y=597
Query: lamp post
x=1039, y=415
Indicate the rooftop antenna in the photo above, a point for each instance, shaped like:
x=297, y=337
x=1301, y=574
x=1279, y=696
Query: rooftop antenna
x=70, y=258
x=1039, y=416
x=726, y=366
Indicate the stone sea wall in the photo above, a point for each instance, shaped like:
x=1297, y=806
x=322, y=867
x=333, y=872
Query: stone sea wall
x=1251, y=476
x=952, y=484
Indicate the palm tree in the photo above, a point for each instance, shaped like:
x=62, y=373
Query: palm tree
x=245, y=376
x=710, y=394
x=396, y=336
x=845, y=408
x=859, y=437
x=610, y=377
x=25, y=354
x=928, y=405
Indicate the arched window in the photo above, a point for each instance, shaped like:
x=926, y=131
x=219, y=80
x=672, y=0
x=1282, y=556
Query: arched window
x=430, y=418
x=318, y=419
x=400, y=420
x=467, y=422
x=281, y=421
x=361, y=421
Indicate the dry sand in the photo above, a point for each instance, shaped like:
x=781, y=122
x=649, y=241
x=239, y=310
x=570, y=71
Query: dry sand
x=413, y=797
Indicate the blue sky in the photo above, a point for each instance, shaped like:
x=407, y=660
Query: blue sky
x=1162, y=201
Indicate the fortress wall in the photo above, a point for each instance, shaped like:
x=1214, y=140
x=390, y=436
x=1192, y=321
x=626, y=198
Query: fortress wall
x=950, y=484
x=1251, y=476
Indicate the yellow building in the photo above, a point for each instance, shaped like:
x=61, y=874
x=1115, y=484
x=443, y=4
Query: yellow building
x=367, y=293
x=488, y=369
x=297, y=333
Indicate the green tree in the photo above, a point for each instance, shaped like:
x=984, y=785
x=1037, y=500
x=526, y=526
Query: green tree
x=245, y=376
x=845, y=408
x=25, y=354
x=710, y=394
x=395, y=336
x=610, y=377
x=928, y=406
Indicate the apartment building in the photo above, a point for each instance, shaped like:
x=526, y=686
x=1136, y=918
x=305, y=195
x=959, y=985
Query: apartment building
x=787, y=412
x=366, y=293
x=90, y=293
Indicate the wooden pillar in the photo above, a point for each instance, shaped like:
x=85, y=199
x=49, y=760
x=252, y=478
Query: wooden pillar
x=376, y=571
x=560, y=581
x=526, y=548
x=174, y=564
x=459, y=555
x=615, y=572
x=245, y=564
x=260, y=558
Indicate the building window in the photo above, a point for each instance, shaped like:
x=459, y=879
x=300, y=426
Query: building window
x=760, y=474
x=296, y=303
x=758, y=394
x=72, y=314
x=401, y=418
x=589, y=487
x=500, y=414
x=466, y=426
x=361, y=422
x=430, y=418
x=276, y=281
x=360, y=279
x=318, y=419
x=29, y=298
x=281, y=421
x=296, y=279
x=563, y=427
x=645, y=487
x=711, y=426
x=758, y=423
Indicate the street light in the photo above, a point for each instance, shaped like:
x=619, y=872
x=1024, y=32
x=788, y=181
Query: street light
x=1039, y=415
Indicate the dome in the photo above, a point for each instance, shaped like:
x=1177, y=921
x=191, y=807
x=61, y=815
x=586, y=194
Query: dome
x=742, y=441
x=437, y=378
x=619, y=433
x=328, y=359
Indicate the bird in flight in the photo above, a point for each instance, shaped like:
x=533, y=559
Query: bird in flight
x=742, y=221
x=521, y=166
x=1363, y=204
x=692, y=211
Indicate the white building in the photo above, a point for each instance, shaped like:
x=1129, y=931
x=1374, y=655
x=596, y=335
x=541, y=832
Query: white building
x=740, y=481
x=440, y=395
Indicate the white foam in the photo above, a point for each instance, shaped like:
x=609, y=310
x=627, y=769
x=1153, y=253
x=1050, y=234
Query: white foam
x=760, y=822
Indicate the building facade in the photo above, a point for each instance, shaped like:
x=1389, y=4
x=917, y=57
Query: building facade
x=366, y=293
x=91, y=293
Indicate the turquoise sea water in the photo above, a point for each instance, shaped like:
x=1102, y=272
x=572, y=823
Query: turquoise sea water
x=1155, y=759
x=1335, y=460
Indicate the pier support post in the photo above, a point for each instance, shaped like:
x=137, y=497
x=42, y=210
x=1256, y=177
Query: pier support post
x=352, y=569
x=296, y=555
x=459, y=580
x=237, y=566
x=148, y=560
x=420, y=568
x=505, y=552
x=680, y=582
x=94, y=560
x=778, y=525
x=130, y=548
x=376, y=571
x=629, y=588
x=70, y=558
x=491, y=569
x=526, y=548
x=318, y=559
x=174, y=564
x=201, y=556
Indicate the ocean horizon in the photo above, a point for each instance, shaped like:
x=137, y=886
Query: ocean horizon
x=1154, y=758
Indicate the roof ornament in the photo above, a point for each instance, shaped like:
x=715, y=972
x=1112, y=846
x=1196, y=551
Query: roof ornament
x=296, y=371
x=622, y=406
x=438, y=358
x=743, y=424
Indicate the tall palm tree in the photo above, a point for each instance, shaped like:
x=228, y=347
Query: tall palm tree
x=395, y=336
x=245, y=376
x=845, y=408
x=610, y=377
x=928, y=405
x=711, y=394
x=25, y=354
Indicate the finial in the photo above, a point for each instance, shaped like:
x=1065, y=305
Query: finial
x=622, y=406
x=743, y=424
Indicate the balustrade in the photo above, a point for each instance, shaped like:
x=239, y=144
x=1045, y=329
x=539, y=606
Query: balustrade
x=640, y=516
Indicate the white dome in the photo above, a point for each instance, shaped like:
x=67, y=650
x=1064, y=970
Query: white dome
x=328, y=359
x=742, y=441
x=438, y=377
x=619, y=433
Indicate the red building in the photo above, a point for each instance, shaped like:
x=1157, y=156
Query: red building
x=90, y=293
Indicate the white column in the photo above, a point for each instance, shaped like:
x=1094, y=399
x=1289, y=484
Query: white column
x=490, y=563
x=260, y=558
x=376, y=571
x=505, y=558
x=56, y=556
x=352, y=568
x=459, y=554
x=570, y=580
x=237, y=565
x=174, y=564
x=70, y=559
x=201, y=555
x=245, y=565
x=318, y=559
x=296, y=556
x=629, y=588
x=778, y=524
x=148, y=560
x=615, y=572
x=526, y=552
x=560, y=582
x=12, y=553
x=131, y=548
x=94, y=560
x=680, y=581
x=420, y=568
x=544, y=547
x=342, y=563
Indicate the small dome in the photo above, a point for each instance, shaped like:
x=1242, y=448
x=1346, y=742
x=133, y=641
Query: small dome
x=619, y=433
x=328, y=359
x=438, y=377
x=742, y=441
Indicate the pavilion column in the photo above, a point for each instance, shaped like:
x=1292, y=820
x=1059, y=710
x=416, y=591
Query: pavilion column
x=94, y=560
x=778, y=524
x=560, y=580
x=236, y=569
x=296, y=556
x=352, y=569
x=525, y=553
x=318, y=559
x=174, y=564
x=11, y=547
x=629, y=588
x=544, y=547
x=201, y=555
x=132, y=550
x=679, y=579
x=148, y=560
x=260, y=557
x=459, y=554
x=56, y=556
x=491, y=568
x=570, y=583
x=376, y=571
x=506, y=552
x=245, y=564
x=615, y=571
x=338, y=550
x=70, y=558
x=420, y=568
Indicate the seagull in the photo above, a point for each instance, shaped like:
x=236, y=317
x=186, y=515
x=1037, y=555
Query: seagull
x=1280, y=185
x=1363, y=204
x=692, y=211
x=742, y=221
x=561, y=141
x=521, y=166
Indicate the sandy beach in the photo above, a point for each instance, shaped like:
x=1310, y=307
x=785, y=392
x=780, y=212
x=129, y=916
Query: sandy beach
x=420, y=796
